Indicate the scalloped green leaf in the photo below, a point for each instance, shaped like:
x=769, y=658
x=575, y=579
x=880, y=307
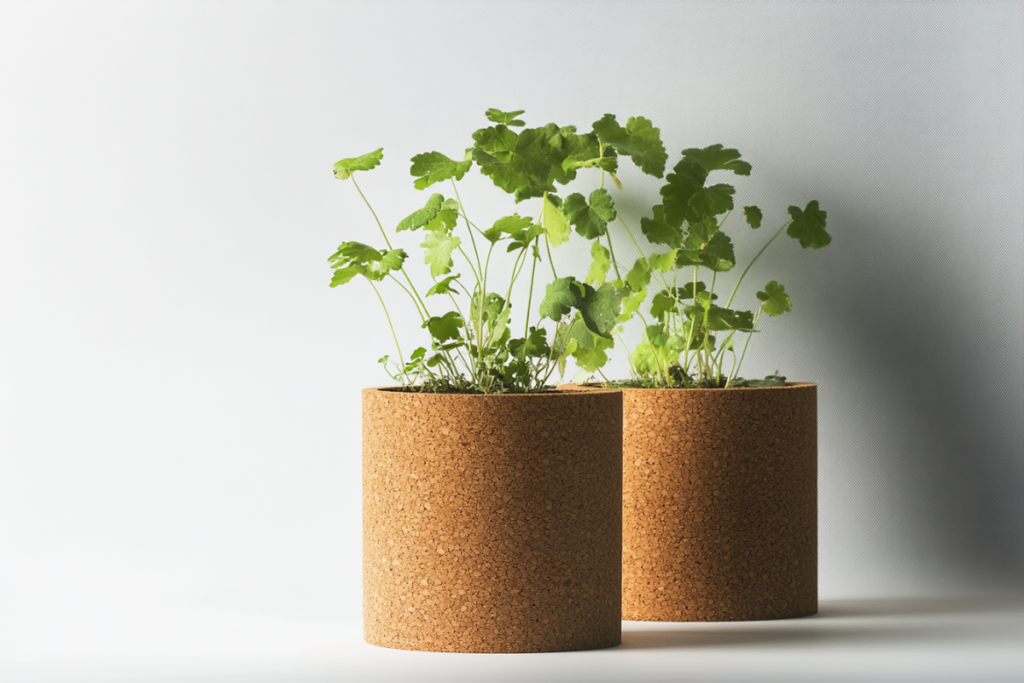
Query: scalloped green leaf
x=639, y=275
x=506, y=117
x=658, y=231
x=346, y=167
x=555, y=223
x=444, y=327
x=754, y=216
x=774, y=300
x=590, y=219
x=808, y=226
x=417, y=219
x=639, y=140
x=438, y=247
x=599, y=268
x=433, y=167
x=715, y=158
x=713, y=200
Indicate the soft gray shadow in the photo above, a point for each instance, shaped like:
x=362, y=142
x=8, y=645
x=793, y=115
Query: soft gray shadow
x=946, y=395
x=854, y=622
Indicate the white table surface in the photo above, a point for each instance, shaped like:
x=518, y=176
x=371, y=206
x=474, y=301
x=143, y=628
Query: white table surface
x=853, y=640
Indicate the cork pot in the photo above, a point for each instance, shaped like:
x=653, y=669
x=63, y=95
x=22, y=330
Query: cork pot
x=720, y=503
x=492, y=523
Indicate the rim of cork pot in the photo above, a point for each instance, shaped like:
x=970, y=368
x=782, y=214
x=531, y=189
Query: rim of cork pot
x=560, y=391
x=569, y=388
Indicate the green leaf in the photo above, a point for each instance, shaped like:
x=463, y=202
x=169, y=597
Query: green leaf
x=609, y=164
x=555, y=222
x=444, y=286
x=590, y=221
x=560, y=297
x=355, y=258
x=658, y=231
x=493, y=305
x=808, y=226
x=535, y=345
x=417, y=219
x=344, y=275
x=712, y=201
x=599, y=268
x=686, y=179
x=506, y=117
x=640, y=275
x=687, y=291
x=445, y=327
x=392, y=260
x=715, y=158
x=774, y=300
x=753, y=215
x=600, y=308
x=664, y=262
x=639, y=140
x=433, y=167
x=439, y=246
x=346, y=167
x=499, y=325
x=664, y=302
x=716, y=254
x=727, y=319
x=444, y=221
x=587, y=348
x=514, y=226
x=354, y=252
x=631, y=304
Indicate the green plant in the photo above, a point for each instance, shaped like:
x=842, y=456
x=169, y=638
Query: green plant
x=471, y=347
x=684, y=344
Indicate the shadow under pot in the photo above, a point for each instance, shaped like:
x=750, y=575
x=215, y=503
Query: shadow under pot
x=492, y=523
x=720, y=504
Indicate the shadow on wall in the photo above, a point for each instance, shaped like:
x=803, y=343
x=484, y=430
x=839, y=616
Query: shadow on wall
x=943, y=366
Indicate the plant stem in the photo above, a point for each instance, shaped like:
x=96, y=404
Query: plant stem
x=401, y=359
x=744, y=273
x=367, y=202
x=736, y=369
x=547, y=243
x=388, y=242
x=529, y=298
x=469, y=226
x=611, y=249
x=422, y=312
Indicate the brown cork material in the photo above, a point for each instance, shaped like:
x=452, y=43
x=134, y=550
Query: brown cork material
x=720, y=504
x=492, y=523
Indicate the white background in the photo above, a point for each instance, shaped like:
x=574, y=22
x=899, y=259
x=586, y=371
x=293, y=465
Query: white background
x=179, y=388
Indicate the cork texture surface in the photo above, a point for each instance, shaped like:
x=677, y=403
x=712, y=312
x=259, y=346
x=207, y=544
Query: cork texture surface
x=492, y=523
x=720, y=504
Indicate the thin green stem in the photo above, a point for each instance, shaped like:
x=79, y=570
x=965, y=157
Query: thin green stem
x=736, y=369
x=611, y=249
x=421, y=312
x=401, y=358
x=744, y=273
x=551, y=260
x=529, y=298
x=367, y=202
x=469, y=225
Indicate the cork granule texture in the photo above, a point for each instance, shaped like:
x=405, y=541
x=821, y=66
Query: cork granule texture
x=492, y=523
x=720, y=504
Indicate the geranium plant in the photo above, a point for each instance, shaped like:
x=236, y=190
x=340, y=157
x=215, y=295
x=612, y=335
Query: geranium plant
x=468, y=318
x=689, y=332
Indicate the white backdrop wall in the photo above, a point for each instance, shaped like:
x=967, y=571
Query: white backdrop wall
x=179, y=389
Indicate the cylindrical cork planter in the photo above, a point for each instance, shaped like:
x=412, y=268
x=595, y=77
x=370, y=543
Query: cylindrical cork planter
x=720, y=503
x=492, y=523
